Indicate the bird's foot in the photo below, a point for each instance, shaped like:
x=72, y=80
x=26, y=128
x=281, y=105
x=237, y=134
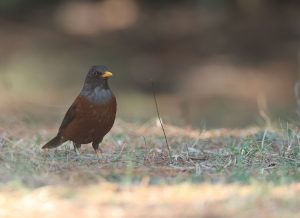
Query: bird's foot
x=99, y=155
x=77, y=151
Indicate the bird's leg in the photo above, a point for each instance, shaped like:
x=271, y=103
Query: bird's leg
x=77, y=148
x=97, y=150
x=97, y=153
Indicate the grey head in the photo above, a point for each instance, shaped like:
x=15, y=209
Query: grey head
x=96, y=87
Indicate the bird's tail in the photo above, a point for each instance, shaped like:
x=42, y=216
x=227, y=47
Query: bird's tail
x=53, y=143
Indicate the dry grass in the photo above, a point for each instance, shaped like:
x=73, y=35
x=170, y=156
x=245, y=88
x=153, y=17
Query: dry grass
x=216, y=173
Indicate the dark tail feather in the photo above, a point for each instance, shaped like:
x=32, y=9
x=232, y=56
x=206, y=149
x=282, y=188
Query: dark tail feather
x=53, y=143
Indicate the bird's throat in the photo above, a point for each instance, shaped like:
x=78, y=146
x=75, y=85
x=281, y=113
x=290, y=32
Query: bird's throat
x=97, y=94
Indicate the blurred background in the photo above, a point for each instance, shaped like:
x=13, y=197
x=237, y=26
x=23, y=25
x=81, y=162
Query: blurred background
x=215, y=63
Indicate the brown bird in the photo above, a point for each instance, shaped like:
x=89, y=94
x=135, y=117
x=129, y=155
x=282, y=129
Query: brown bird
x=92, y=114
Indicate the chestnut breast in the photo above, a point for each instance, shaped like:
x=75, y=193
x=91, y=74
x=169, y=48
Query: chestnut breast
x=92, y=119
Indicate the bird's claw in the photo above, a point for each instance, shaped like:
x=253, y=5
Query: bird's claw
x=99, y=155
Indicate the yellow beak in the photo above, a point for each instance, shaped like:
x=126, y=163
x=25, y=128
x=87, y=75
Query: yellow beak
x=107, y=74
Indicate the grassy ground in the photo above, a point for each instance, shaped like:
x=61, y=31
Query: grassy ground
x=216, y=173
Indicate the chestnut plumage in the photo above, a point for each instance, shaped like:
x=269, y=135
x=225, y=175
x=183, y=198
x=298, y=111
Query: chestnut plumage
x=92, y=114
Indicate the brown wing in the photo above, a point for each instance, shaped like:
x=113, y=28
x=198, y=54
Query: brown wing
x=69, y=117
